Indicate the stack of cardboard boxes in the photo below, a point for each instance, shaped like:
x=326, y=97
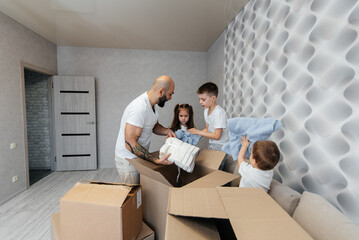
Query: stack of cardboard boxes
x=99, y=210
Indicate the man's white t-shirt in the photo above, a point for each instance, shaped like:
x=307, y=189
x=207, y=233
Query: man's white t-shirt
x=140, y=114
x=217, y=119
x=253, y=177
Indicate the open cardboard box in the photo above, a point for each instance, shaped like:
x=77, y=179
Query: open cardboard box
x=252, y=213
x=157, y=181
x=101, y=210
x=188, y=209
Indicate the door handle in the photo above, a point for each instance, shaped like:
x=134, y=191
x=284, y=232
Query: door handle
x=92, y=122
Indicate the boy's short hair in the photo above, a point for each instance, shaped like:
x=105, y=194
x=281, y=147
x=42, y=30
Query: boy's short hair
x=210, y=88
x=266, y=154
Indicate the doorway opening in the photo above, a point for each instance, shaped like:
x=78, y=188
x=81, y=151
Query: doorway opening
x=38, y=122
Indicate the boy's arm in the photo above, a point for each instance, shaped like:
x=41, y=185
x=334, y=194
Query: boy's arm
x=216, y=135
x=242, y=152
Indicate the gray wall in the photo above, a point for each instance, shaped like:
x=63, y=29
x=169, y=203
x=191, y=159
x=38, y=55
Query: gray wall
x=38, y=120
x=215, y=65
x=122, y=75
x=17, y=44
x=297, y=61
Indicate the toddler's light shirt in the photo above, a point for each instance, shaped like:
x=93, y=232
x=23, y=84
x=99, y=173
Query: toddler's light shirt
x=253, y=177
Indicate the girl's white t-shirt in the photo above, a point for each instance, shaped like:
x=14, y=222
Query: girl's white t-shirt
x=184, y=128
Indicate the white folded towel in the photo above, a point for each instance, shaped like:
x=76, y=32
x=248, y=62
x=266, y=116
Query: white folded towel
x=182, y=154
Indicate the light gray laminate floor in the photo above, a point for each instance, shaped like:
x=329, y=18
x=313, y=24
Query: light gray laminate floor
x=28, y=215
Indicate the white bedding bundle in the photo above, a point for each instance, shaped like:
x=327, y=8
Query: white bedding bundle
x=182, y=154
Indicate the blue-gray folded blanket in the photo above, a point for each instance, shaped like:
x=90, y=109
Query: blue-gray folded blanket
x=254, y=128
x=187, y=137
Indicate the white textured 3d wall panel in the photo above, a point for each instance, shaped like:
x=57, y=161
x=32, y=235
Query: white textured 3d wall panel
x=298, y=61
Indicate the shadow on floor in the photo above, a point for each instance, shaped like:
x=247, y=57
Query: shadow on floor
x=38, y=174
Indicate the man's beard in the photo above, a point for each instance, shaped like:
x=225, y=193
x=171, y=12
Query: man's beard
x=162, y=100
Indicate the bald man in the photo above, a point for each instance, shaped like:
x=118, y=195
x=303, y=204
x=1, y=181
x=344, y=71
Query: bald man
x=138, y=122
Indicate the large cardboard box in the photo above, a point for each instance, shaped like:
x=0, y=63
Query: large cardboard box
x=101, y=211
x=145, y=234
x=157, y=181
x=192, y=207
x=252, y=213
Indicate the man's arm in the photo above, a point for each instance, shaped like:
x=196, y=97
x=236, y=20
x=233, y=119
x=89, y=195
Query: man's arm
x=132, y=134
x=160, y=130
x=242, y=152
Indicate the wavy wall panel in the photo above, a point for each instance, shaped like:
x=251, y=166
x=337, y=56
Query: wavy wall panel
x=298, y=61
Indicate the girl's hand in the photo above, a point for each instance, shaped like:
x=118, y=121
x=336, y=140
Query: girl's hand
x=193, y=131
x=245, y=142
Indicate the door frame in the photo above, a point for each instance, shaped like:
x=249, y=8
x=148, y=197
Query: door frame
x=23, y=66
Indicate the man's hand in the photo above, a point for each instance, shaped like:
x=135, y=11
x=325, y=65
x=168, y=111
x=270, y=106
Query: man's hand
x=163, y=160
x=170, y=133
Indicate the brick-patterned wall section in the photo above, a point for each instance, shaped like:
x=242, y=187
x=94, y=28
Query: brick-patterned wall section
x=38, y=120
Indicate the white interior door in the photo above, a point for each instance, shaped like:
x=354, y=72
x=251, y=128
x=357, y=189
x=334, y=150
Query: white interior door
x=75, y=123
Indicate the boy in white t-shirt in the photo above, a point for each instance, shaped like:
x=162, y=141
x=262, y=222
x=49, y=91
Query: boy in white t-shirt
x=259, y=171
x=215, y=117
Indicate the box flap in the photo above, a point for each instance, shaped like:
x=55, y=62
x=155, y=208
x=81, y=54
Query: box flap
x=110, y=183
x=210, y=158
x=196, y=202
x=111, y=195
x=214, y=179
x=145, y=232
x=148, y=169
x=190, y=228
x=255, y=215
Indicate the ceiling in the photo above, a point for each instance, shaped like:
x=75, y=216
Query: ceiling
x=182, y=25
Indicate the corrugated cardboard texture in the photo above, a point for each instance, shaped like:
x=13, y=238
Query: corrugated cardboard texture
x=92, y=211
x=210, y=158
x=148, y=169
x=97, y=194
x=155, y=199
x=130, y=223
x=185, y=228
x=201, y=202
x=255, y=215
x=145, y=234
x=55, y=227
x=212, y=179
x=252, y=212
x=156, y=189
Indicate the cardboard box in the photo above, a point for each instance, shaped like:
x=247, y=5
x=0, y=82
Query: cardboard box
x=252, y=213
x=157, y=181
x=55, y=227
x=192, y=208
x=101, y=211
x=145, y=234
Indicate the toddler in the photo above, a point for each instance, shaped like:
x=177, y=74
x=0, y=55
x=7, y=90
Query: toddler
x=259, y=171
